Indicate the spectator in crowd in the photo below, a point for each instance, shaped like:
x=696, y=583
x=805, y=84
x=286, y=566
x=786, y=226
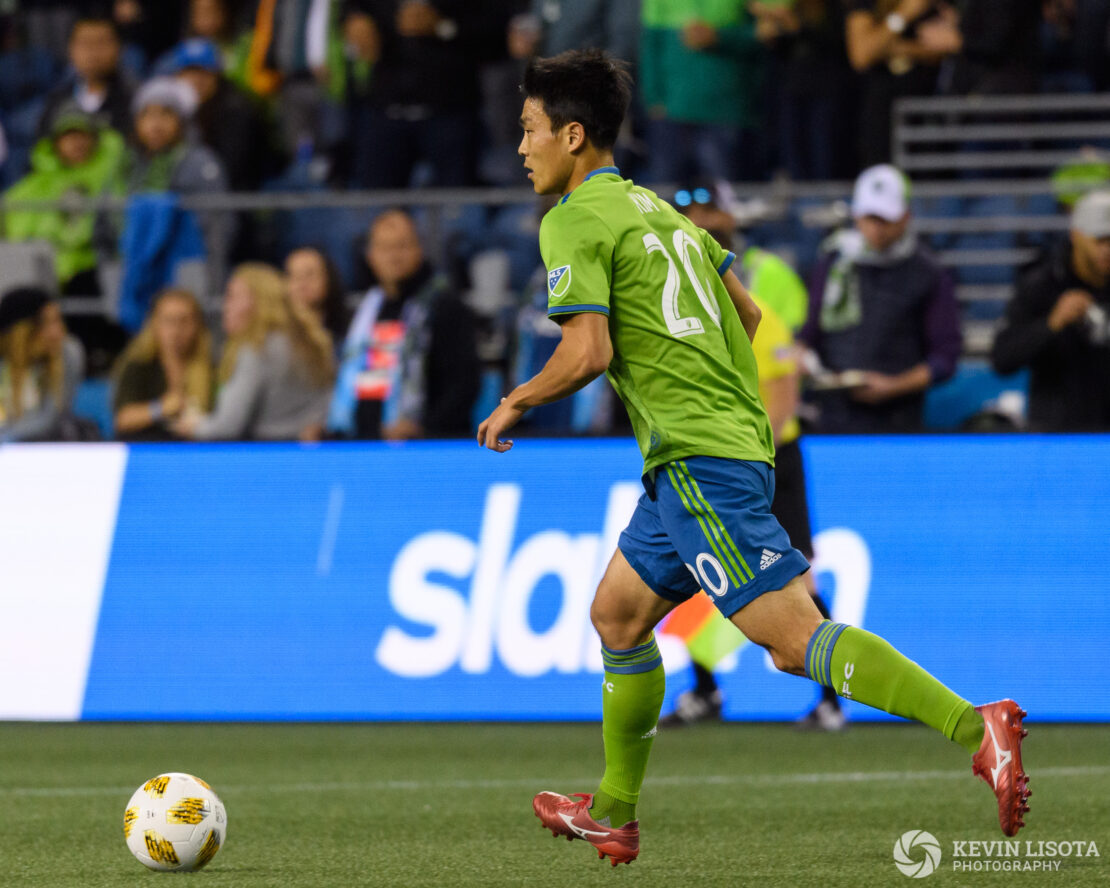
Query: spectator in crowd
x=708, y=636
x=238, y=145
x=550, y=27
x=166, y=155
x=883, y=318
x=1092, y=46
x=219, y=22
x=277, y=368
x=422, y=106
x=98, y=84
x=40, y=369
x=77, y=157
x=1058, y=56
x=699, y=80
x=813, y=86
x=1075, y=45
x=165, y=371
x=1058, y=325
x=499, y=81
x=28, y=71
x=215, y=20
x=316, y=285
x=148, y=27
x=1000, y=47
x=555, y=26
x=296, y=59
x=898, y=46
x=410, y=364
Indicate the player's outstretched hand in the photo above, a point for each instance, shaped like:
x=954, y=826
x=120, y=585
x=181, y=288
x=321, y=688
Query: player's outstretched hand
x=497, y=423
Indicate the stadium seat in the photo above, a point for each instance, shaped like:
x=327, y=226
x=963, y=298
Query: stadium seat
x=943, y=207
x=30, y=263
x=986, y=207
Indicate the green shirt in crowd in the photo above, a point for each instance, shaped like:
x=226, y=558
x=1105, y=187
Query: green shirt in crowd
x=719, y=84
x=69, y=231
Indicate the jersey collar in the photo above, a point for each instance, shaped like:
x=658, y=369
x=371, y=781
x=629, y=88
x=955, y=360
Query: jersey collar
x=597, y=172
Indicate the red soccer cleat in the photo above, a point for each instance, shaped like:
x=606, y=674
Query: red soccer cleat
x=998, y=762
x=566, y=817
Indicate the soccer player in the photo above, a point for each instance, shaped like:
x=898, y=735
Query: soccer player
x=645, y=296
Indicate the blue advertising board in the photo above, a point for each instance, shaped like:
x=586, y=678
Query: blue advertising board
x=441, y=581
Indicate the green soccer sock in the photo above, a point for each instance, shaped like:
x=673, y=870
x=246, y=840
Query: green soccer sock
x=969, y=730
x=862, y=666
x=631, y=699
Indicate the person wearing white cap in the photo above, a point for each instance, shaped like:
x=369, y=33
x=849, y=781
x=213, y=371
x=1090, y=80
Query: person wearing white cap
x=883, y=323
x=1058, y=325
x=881, y=205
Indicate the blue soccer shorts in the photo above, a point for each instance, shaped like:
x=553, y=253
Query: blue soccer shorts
x=710, y=526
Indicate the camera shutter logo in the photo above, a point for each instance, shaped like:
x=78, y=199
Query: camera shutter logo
x=907, y=851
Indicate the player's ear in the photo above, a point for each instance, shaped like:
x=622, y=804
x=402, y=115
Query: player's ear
x=575, y=136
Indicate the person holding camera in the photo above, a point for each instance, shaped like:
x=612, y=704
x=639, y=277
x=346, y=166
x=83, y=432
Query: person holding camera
x=1058, y=325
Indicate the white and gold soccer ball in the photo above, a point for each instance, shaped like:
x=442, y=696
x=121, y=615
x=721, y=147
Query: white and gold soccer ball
x=174, y=822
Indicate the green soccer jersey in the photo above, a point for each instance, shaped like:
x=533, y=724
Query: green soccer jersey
x=682, y=362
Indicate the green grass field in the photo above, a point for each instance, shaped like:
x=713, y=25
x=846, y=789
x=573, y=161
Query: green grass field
x=449, y=805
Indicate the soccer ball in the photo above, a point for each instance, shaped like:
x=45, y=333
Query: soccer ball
x=174, y=822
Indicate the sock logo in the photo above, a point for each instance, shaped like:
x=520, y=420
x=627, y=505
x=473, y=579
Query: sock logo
x=845, y=690
x=607, y=686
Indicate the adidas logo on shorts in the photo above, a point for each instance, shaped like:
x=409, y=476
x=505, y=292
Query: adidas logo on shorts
x=768, y=559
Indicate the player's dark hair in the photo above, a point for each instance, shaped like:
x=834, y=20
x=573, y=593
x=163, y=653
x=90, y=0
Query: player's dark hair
x=584, y=86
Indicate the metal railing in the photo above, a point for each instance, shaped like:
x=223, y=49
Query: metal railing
x=780, y=215
x=997, y=134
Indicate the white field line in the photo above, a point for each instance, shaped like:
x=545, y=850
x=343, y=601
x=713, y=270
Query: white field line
x=432, y=785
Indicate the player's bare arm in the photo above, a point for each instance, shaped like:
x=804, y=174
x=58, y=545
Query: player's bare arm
x=581, y=356
x=749, y=312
